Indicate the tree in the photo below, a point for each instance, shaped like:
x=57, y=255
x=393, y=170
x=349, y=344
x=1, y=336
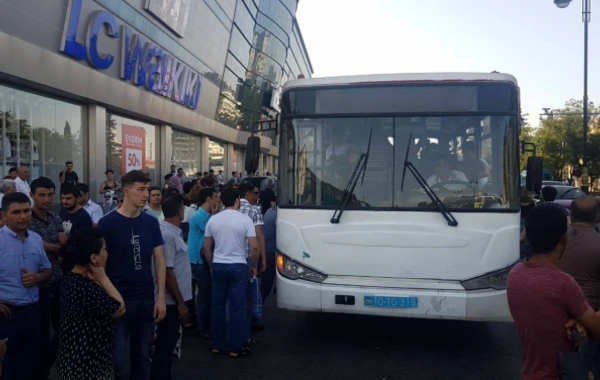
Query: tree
x=114, y=149
x=559, y=140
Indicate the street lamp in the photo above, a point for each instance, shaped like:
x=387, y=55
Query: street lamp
x=586, y=11
x=562, y=3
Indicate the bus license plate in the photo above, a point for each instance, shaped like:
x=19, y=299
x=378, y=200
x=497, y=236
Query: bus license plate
x=392, y=302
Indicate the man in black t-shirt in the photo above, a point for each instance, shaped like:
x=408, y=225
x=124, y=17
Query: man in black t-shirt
x=68, y=176
x=74, y=216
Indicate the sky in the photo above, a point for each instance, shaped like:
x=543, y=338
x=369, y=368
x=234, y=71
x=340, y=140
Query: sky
x=538, y=43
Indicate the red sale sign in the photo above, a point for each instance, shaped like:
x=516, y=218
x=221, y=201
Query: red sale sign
x=133, y=143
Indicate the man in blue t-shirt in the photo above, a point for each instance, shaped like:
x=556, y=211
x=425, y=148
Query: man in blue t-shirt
x=201, y=271
x=133, y=239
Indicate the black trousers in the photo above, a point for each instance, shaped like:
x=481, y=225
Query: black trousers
x=268, y=278
x=50, y=318
x=166, y=339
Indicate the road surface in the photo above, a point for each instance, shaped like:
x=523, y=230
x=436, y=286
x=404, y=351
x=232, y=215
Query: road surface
x=298, y=346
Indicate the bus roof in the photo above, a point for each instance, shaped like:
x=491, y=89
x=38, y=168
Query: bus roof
x=398, y=78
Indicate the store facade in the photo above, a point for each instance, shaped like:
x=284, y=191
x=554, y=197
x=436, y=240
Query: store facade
x=126, y=84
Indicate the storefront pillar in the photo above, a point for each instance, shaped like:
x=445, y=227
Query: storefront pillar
x=96, y=149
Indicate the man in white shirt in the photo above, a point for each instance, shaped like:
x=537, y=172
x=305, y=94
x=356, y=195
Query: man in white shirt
x=92, y=208
x=444, y=173
x=23, y=175
x=230, y=230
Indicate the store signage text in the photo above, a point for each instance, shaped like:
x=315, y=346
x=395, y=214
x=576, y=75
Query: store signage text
x=143, y=62
x=133, y=144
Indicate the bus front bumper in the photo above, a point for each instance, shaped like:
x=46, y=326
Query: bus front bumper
x=482, y=305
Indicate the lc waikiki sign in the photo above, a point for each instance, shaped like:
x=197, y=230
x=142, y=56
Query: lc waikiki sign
x=143, y=62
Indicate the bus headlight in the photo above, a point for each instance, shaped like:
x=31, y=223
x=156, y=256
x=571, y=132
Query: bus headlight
x=492, y=280
x=294, y=270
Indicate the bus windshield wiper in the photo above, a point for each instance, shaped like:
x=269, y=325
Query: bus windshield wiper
x=452, y=222
x=358, y=172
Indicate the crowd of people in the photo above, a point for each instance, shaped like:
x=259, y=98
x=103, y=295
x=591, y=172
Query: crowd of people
x=554, y=292
x=82, y=287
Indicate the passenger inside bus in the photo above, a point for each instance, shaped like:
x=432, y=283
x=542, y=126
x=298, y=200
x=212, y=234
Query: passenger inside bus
x=444, y=173
x=476, y=169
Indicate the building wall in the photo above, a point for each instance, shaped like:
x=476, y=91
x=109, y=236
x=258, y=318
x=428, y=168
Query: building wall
x=240, y=48
x=262, y=41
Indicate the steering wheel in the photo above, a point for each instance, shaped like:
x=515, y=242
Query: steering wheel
x=443, y=185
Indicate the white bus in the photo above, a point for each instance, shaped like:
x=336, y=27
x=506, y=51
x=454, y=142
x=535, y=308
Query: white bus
x=399, y=195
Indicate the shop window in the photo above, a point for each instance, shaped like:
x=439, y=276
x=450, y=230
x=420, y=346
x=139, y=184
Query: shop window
x=185, y=152
x=40, y=133
x=216, y=155
x=131, y=145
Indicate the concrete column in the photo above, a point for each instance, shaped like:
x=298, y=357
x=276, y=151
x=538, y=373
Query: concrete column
x=96, y=149
x=165, y=152
x=205, y=153
x=270, y=166
x=230, y=163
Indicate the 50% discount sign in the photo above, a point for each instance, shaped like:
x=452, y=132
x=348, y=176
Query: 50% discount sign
x=133, y=159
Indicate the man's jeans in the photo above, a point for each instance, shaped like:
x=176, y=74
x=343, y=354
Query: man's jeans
x=166, y=339
x=229, y=280
x=137, y=323
x=22, y=329
x=201, y=273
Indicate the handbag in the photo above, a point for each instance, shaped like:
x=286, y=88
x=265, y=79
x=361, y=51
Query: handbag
x=579, y=363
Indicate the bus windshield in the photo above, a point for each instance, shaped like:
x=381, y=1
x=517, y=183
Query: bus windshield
x=470, y=161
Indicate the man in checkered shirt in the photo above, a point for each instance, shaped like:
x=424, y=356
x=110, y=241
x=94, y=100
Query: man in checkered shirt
x=248, y=206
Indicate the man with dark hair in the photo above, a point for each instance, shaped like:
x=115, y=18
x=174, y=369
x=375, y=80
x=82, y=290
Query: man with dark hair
x=133, y=239
x=50, y=227
x=92, y=208
x=181, y=175
x=549, y=193
x=24, y=266
x=582, y=256
x=178, y=284
x=542, y=298
x=203, y=180
x=548, y=198
x=68, y=176
x=12, y=173
x=230, y=230
x=175, y=179
x=234, y=178
x=200, y=269
x=74, y=217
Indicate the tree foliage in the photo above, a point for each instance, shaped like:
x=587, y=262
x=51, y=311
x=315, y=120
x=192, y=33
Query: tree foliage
x=559, y=140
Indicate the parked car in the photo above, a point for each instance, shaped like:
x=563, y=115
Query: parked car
x=566, y=194
x=554, y=183
x=259, y=182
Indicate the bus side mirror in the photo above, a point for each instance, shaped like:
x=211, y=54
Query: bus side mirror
x=535, y=168
x=252, y=154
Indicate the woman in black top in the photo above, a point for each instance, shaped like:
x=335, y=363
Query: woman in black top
x=110, y=184
x=90, y=305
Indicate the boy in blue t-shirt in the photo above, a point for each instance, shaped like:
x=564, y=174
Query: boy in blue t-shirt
x=201, y=270
x=133, y=241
